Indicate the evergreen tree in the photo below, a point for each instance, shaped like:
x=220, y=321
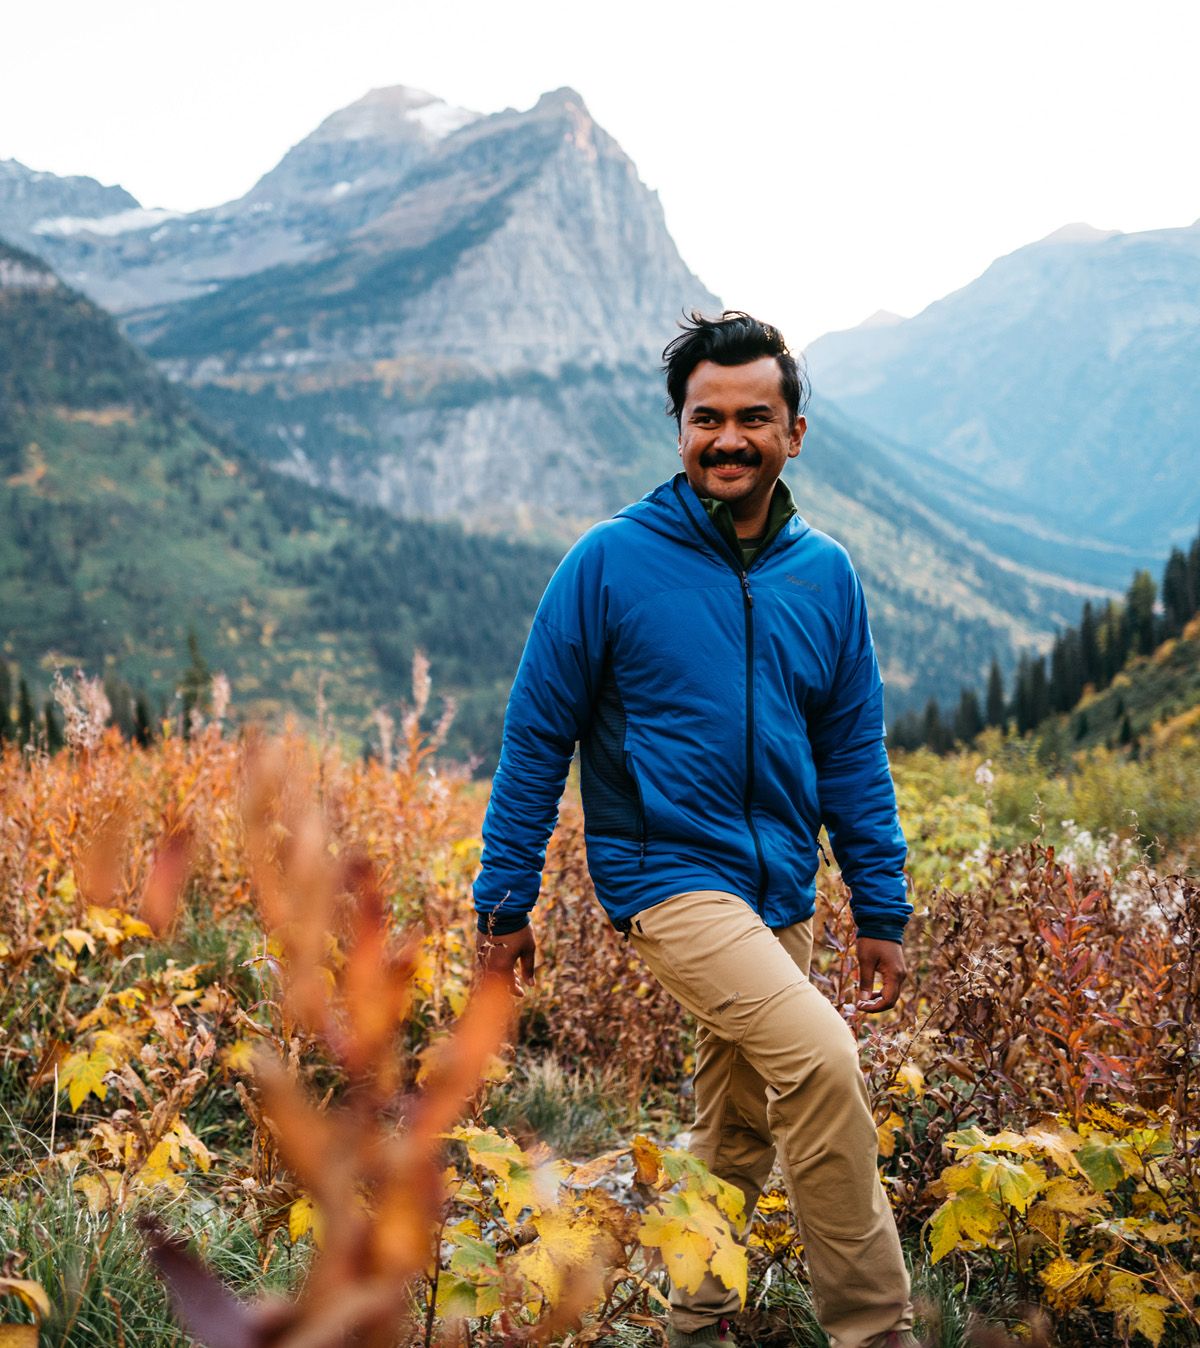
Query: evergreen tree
x=1023, y=696
x=52, y=727
x=933, y=731
x=6, y=694
x=995, y=696
x=26, y=717
x=143, y=725
x=1139, y=612
x=1081, y=725
x=1089, y=647
x=968, y=721
x=1039, y=694
x=196, y=685
x=1194, y=573
x=1178, y=601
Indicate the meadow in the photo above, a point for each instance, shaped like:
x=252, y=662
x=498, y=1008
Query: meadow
x=241, y=1034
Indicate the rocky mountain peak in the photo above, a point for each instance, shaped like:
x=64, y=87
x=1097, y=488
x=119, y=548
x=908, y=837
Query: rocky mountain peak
x=29, y=198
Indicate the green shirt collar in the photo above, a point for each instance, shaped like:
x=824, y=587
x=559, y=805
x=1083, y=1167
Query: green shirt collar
x=781, y=510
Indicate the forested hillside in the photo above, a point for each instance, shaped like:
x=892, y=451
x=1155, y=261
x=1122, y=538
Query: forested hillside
x=126, y=525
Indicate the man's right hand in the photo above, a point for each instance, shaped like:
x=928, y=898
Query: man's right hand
x=503, y=954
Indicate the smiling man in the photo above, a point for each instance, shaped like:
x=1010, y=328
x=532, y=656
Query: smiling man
x=709, y=652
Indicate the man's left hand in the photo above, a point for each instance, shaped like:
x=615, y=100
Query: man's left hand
x=885, y=958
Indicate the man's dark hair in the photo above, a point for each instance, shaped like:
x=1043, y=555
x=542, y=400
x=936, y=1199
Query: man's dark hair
x=733, y=339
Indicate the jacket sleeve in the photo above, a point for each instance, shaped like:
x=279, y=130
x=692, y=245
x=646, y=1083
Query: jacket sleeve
x=858, y=800
x=547, y=712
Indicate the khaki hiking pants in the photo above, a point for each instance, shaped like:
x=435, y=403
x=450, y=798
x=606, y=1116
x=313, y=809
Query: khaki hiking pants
x=777, y=1067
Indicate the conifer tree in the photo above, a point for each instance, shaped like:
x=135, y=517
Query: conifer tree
x=1178, y=602
x=26, y=717
x=6, y=693
x=1089, y=647
x=1139, y=611
x=995, y=696
x=968, y=721
x=143, y=727
x=52, y=727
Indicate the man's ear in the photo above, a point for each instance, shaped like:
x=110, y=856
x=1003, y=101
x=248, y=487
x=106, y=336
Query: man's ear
x=796, y=436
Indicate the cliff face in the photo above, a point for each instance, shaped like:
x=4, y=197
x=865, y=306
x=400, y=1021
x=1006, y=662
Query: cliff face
x=474, y=329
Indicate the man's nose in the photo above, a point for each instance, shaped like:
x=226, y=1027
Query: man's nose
x=730, y=436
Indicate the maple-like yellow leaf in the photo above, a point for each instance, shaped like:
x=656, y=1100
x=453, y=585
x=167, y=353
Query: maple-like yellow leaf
x=685, y=1250
x=591, y=1171
x=190, y=1142
x=569, y=1247
x=1059, y=1144
x=1011, y=1182
x=100, y=1190
x=1071, y=1198
x=82, y=1074
x=304, y=1216
x=731, y=1265
x=1107, y=1161
x=157, y=1169
x=964, y=1221
x=77, y=939
x=1138, y=1310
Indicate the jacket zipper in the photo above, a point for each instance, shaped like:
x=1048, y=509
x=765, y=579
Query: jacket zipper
x=748, y=614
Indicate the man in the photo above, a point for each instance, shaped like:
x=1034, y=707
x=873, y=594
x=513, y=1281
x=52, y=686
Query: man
x=710, y=653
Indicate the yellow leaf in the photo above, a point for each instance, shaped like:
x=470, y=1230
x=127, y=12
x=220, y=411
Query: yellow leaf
x=157, y=1168
x=887, y=1131
x=731, y=1265
x=1057, y=1143
x=82, y=1074
x=1137, y=1310
x=238, y=1056
x=1066, y=1281
x=569, y=1247
x=909, y=1079
x=98, y=1190
x=1071, y=1198
x=77, y=939
x=646, y=1159
x=190, y=1142
x=964, y=1222
x=589, y=1173
x=18, y=1336
x=304, y=1216
x=33, y=1294
x=685, y=1251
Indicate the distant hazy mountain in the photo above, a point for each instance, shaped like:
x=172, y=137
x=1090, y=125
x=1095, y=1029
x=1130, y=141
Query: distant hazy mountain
x=1063, y=381
x=29, y=199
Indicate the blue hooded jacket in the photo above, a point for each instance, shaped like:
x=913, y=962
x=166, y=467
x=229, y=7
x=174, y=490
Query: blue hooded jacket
x=722, y=715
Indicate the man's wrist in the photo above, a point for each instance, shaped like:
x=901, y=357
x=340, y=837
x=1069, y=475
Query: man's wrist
x=497, y=923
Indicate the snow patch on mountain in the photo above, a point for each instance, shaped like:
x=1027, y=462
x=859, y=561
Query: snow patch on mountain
x=122, y=222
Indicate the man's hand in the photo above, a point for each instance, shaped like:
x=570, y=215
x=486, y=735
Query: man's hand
x=885, y=958
x=502, y=954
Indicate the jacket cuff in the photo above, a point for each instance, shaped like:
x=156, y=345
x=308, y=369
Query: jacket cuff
x=891, y=931
x=500, y=923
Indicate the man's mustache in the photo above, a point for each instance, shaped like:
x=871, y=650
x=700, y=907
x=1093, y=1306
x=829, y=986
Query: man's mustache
x=713, y=458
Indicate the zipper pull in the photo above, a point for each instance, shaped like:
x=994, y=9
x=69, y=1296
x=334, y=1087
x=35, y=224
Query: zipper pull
x=746, y=591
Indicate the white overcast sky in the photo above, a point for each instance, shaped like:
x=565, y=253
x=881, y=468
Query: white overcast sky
x=817, y=159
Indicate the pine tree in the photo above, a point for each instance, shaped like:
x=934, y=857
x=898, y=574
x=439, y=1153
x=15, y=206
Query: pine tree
x=26, y=717
x=143, y=726
x=1139, y=611
x=196, y=684
x=995, y=696
x=1089, y=648
x=6, y=693
x=968, y=721
x=1178, y=601
x=52, y=727
x=934, y=733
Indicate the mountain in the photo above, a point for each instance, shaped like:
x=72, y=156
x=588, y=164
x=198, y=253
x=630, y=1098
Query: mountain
x=447, y=315
x=468, y=327
x=125, y=523
x=29, y=199
x=1061, y=382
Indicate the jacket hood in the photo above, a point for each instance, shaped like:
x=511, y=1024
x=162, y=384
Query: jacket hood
x=673, y=509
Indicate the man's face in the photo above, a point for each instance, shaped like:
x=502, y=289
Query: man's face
x=734, y=436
